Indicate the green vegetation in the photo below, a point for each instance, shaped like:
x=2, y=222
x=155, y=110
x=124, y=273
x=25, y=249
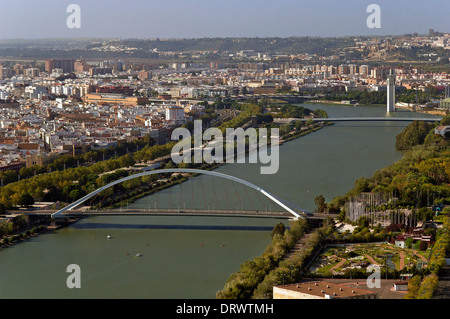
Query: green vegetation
x=411, y=95
x=320, y=203
x=88, y=157
x=339, y=261
x=414, y=134
x=427, y=287
x=421, y=286
x=256, y=278
x=292, y=111
x=440, y=248
x=291, y=270
x=17, y=228
x=375, y=97
x=242, y=284
x=288, y=131
x=419, y=179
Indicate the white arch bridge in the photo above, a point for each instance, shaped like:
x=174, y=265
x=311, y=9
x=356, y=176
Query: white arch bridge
x=290, y=208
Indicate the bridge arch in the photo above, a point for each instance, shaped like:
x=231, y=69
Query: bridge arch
x=272, y=197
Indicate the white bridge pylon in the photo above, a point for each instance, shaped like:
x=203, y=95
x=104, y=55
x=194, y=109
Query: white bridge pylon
x=272, y=197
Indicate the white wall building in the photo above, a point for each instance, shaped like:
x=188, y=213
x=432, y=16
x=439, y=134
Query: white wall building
x=174, y=113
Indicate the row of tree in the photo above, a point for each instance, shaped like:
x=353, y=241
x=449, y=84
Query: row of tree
x=374, y=97
x=242, y=284
x=87, y=157
x=424, y=286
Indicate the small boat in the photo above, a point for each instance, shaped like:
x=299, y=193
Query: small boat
x=108, y=237
x=138, y=255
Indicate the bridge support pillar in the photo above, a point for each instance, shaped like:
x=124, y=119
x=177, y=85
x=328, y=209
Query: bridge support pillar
x=391, y=94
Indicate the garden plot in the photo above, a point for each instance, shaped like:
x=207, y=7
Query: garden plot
x=337, y=260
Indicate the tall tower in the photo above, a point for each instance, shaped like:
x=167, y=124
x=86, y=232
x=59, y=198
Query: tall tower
x=391, y=92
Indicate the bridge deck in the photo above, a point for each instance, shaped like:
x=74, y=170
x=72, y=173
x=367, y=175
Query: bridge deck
x=171, y=212
x=358, y=119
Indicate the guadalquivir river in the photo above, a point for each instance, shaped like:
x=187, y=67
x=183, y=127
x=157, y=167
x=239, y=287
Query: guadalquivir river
x=191, y=257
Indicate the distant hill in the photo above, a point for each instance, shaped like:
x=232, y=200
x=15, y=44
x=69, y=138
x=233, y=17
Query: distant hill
x=145, y=48
x=273, y=45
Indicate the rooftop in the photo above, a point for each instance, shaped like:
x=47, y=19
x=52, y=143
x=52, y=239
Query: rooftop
x=325, y=289
x=386, y=291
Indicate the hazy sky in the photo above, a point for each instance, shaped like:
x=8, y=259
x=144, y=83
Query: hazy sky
x=218, y=18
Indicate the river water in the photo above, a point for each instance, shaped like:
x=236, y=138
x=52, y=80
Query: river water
x=191, y=257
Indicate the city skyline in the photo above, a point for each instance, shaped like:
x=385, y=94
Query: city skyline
x=201, y=18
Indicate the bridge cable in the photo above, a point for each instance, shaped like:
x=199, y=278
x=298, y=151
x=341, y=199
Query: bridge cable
x=215, y=194
x=226, y=193
x=193, y=200
x=260, y=200
x=90, y=203
x=157, y=197
x=251, y=202
x=181, y=195
x=101, y=202
x=204, y=196
x=147, y=200
x=237, y=194
x=170, y=197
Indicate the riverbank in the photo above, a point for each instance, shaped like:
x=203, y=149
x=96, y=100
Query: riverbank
x=11, y=240
x=328, y=102
x=299, y=133
x=406, y=106
x=18, y=237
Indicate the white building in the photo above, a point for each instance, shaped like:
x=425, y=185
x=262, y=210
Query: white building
x=174, y=113
x=35, y=91
x=4, y=95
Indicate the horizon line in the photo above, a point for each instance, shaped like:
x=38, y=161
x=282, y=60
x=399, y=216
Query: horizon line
x=213, y=37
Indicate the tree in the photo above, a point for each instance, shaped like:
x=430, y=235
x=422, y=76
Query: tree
x=363, y=222
x=408, y=242
x=278, y=229
x=74, y=194
x=423, y=245
x=413, y=287
x=26, y=200
x=320, y=203
x=285, y=129
x=414, y=134
x=21, y=221
x=309, y=122
x=445, y=120
x=299, y=124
